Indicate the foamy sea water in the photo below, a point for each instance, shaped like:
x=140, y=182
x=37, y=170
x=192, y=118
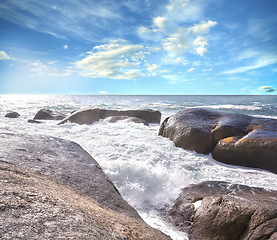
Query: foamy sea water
x=148, y=170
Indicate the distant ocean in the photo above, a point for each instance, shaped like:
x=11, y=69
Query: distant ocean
x=148, y=170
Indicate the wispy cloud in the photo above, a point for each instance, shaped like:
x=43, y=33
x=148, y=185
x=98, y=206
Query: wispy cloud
x=260, y=60
x=113, y=60
x=71, y=19
x=4, y=56
x=191, y=69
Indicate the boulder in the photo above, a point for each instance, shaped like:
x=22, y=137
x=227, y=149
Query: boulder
x=52, y=189
x=91, y=115
x=114, y=119
x=83, y=116
x=46, y=114
x=12, y=115
x=231, y=138
x=224, y=211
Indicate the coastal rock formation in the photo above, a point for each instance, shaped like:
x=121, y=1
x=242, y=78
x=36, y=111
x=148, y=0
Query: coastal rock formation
x=231, y=138
x=12, y=115
x=225, y=211
x=91, y=115
x=51, y=189
x=114, y=119
x=46, y=114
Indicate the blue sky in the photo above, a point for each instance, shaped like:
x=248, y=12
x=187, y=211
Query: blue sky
x=138, y=47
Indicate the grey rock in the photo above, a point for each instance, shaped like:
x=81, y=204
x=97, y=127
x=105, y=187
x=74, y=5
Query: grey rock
x=227, y=212
x=51, y=188
x=46, y=114
x=12, y=115
x=231, y=138
x=33, y=121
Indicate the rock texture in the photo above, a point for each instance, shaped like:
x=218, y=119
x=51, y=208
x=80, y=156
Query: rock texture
x=53, y=189
x=227, y=212
x=46, y=114
x=91, y=115
x=231, y=138
x=126, y=119
x=12, y=115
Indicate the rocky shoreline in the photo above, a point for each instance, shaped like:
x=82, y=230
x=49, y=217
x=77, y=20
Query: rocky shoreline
x=52, y=188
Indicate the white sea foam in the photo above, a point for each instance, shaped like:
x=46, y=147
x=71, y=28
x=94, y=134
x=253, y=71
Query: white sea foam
x=231, y=106
x=148, y=170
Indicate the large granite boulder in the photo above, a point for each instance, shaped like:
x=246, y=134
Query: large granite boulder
x=225, y=211
x=46, y=114
x=12, y=114
x=91, y=115
x=231, y=138
x=52, y=189
x=115, y=119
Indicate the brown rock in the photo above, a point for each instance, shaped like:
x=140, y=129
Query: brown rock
x=46, y=114
x=231, y=138
x=91, y=115
x=83, y=116
x=227, y=212
x=52, y=189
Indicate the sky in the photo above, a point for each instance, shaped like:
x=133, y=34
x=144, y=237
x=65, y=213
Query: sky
x=218, y=47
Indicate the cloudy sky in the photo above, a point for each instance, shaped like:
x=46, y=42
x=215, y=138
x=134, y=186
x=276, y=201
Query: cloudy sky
x=138, y=47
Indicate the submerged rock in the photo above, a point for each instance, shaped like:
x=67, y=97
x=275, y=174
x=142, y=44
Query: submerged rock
x=114, y=119
x=225, y=211
x=91, y=115
x=46, y=114
x=33, y=121
x=52, y=188
x=12, y=115
x=231, y=138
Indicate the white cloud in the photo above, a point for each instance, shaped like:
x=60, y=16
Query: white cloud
x=153, y=67
x=112, y=60
x=60, y=73
x=191, y=69
x=65, y=47
x=201, y=51
x=103, y=92
x=177, y=43
x=188, y=39
x=4, y=56
x=202, y=28
x=207, y=70
x=160, y=22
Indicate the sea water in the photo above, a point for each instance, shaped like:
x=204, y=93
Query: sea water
x=148, y=170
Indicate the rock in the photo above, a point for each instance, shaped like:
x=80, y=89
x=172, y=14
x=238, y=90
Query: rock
x=91, y=115
x=33, y=121
x=12, y=115
x=227, y=212
x=46, y=114
x=83, y=116
x=114, y=119
x=51, y=189
x=231, y=138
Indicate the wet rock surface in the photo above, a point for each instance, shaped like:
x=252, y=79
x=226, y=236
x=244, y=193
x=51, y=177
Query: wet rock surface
x=91, y=115
x=46, y=114
x=53, y=189
x=225, y=212
x=231, y=138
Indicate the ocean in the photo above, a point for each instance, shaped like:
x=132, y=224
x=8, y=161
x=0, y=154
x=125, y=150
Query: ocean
x=148, y=170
